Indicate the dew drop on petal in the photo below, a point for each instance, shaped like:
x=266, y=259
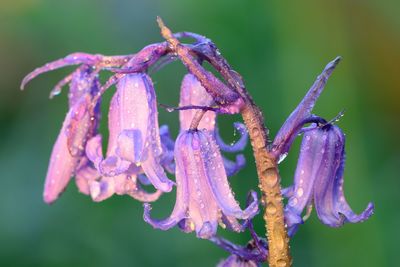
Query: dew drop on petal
x=300, y=192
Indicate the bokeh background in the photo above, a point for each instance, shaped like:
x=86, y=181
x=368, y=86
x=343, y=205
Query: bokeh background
x=279, y=47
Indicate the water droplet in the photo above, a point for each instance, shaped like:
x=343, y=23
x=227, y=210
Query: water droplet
x=281, y=263
x=282, y=157
x=300, y=192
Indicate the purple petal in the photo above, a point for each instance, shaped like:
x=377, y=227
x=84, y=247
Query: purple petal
x=94, y=150
x=72, y=59
x=301, y=114
x=85, y=175
x=84, y=81
x=103, y=189
x=233, y=167
x=310, y=158
x=215, y=174
x=232, y=223
x=203, y=209
x=79, y=126
x=130, y=145
x=330, y=203
x=234, y=147
x=62, y=165
x=133, y=189
x=193, y=94
x=136, y=106
x=182, y=191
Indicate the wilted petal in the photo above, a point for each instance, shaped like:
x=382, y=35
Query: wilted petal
x=302, y=113
x=63, y=163
x=79, y=127
x=330, y=203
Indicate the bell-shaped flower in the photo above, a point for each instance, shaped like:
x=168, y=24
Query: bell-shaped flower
x=134, y=132
x=103, y=187
x=203, y=192
x=81, y=121
x=318, y=180
x=194, y=94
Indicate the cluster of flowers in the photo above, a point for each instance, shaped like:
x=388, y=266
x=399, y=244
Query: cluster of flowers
x=139, y=152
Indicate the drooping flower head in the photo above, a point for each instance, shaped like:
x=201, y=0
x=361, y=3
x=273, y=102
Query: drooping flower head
x=79, y=125
x=204, y=196
x=319, y=180
x=134, y=145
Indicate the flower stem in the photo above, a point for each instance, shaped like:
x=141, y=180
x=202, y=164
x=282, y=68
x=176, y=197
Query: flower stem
x=268, y=174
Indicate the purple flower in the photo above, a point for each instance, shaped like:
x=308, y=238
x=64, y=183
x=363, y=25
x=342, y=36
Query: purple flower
x=203, y=192
x=134, y=133
x=103, y=187
x=194, y=94
x=318, y=180
x=80, y=123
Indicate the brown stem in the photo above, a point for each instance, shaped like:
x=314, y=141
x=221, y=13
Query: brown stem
x=268, y=174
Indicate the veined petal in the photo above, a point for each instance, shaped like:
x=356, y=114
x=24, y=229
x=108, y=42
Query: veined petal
x=139, y=138
x=182, y=191
x=194, y=94
x=312, y=149
x=234, y=147
x=203, y=209
x=302, y=113
x=62, y=164
x=330, y=204
x=215, y=174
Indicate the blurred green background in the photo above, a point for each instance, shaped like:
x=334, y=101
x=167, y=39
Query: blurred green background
x=279, y=47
